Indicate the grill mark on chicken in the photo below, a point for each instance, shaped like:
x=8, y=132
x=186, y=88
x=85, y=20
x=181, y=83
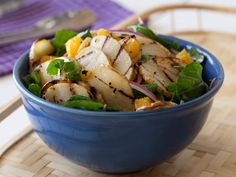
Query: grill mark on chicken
x=123, y=93
x=51, y=83
x=146, y=70
x=127, y=70
x=92, y=92
x=87, y=54
x=120, y=50
x=173, y=62
x=120, y=91
x=105, y=41
x=164, y=71
x=72, y=90
x=117, y=55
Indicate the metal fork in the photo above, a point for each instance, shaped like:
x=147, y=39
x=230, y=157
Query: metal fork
x=75, y=20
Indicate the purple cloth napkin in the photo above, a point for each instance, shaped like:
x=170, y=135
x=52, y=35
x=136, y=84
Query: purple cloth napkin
x=108, y=14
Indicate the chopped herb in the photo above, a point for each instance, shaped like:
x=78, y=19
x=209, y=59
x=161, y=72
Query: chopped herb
x=87, y=33
x=196, y=55
x=61, y=37
x=54, y=66
x=72, y=72
x=189, y=84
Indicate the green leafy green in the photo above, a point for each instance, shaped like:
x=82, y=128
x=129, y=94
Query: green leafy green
x=54, y=66
x=85, y=104
x=34, y=77
x=144, y=58
x=32, y=83
x=78, y=97
x=35, y=89
x=175, y=45
x=142, y=29
x=196, y=55
x=87, y=33
x=71, y=71
x=189, y=84
x=61, y=37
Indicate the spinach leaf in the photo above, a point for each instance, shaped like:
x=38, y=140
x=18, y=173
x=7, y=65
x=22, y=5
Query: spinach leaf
x=189, y=84
x=33, y=77
x=78, y=97
x=85, y=104
x=35, y=89
x=142, y=29
x=32, y=83
x=61, y=37
x=196, y=55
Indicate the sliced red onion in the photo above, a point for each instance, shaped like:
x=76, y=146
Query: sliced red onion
x=143, y=90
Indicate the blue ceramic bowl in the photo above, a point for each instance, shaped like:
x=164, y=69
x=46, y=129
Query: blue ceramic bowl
x=119, y=142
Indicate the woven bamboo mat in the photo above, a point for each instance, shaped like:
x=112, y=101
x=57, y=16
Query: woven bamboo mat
x=212, y=153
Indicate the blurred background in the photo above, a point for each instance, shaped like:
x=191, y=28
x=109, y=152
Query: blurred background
x=21, y=16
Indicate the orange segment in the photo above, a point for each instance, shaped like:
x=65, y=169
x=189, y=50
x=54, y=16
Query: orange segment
x=103, y=32
x=132, y=46
x=138, y=103
x=72, y=46
x=184, y=57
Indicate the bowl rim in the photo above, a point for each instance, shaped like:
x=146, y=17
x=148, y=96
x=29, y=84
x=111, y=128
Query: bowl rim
x=207, y=96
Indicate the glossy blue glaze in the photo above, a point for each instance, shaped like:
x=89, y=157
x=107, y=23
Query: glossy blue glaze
x=119, y=142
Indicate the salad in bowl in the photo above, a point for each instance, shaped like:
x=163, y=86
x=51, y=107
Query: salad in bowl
x=117, y=101
x=114, y=70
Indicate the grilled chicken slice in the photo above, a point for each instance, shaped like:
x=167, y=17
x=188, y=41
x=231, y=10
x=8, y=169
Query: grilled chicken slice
x=114, y=88
x=151, y=72
x=90, y=58
x=59, y=91
x=168, y=66
x=153, y=48
x=38, y=49
x=120, y=59
x=149, y=46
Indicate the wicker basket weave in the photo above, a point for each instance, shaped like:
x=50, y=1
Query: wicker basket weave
x=212, y=154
